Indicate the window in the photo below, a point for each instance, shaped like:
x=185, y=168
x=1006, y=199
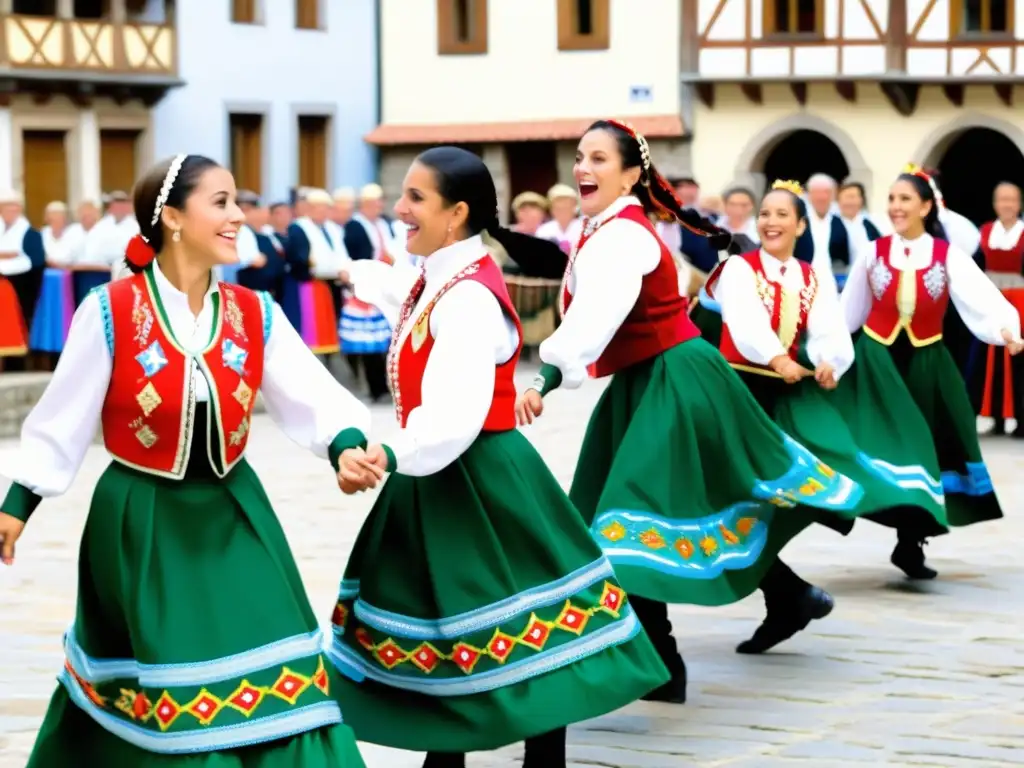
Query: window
x=583, y=25
x=117, y=160
x=247, y=151
x=34, y=7
x=794, y=17
x=984, y=17
x=243, y=11
x=313, y=151
x=307, y=14
x=461, y=26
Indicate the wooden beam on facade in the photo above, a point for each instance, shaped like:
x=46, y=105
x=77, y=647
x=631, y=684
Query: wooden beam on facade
x=902, y=96
x=847, y=89
x=753, y=92
x=1005, y=93
x=706, y=93
x=955, y=93
x=799, y=92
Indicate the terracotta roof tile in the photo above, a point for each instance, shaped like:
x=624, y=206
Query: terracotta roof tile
x=652, y=126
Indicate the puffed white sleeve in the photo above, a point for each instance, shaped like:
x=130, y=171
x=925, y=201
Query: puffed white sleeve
x=609, y=273
x=471, y=336
x=743, y=311
x=62, y=426
x=828, y=338
x=382, y=285
x=301, y=395
x=856, y=298
x=983, y=308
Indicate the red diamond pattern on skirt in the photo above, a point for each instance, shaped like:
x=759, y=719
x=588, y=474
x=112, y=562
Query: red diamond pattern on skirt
x=390, y=655
x=246, y=698
x=536, y=634
x=572, y=619
x=166, y=711
x=426, y=657
x=290, y=685
x=204, y=707
x=611, y=599
x=501, y=646
x=465, y=657
x=340, y=615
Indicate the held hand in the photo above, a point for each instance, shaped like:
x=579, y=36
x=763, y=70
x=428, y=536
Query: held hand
x=790, y=370
x=529, y=406
x=344, y=277
x=825, y=375
x=10, y=532
x=356, y=473
x=1015, y=346
x=377, y=457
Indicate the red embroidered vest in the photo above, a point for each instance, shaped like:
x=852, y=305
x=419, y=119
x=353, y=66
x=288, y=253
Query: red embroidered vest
x=149, y=412
x=787, y=311
x=998, y=260
x=927, y=298
x=412, y=359
x=658, y=321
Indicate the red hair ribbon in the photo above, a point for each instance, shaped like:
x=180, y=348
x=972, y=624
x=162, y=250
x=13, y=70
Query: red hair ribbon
x=139, y=253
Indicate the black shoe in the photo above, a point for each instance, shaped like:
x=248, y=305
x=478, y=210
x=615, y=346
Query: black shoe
x=782, y=624
x=445, y=760
x=908, y=556
x=674, y=691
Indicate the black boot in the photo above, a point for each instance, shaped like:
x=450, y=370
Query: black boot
x=653, y=616
x=908, y=556
x=445, y=760
x=790, y=605
x=546, y=750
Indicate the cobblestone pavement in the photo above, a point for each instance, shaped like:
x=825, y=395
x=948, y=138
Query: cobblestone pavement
x=896, y=676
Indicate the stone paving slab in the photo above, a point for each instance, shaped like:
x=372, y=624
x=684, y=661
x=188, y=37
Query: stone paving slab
x=930, y=676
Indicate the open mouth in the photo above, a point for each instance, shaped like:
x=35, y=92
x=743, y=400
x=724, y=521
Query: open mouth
x=771, y=234
x=228, y=236
x=411, y=231
x=587, y=189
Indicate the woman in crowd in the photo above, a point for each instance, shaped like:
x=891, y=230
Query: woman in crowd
x=787, y=339
x=684, y=481
x=193, y=642
x=905, y=401
x=476, y=610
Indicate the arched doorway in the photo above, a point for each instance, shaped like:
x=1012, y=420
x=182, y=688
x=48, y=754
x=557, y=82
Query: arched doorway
x=973, y=163
x=801, y=154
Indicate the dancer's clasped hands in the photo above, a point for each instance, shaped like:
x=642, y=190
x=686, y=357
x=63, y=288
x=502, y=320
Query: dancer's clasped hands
x=359, y=470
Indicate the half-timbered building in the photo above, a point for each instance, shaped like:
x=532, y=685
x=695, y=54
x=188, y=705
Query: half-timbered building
x=856, y=88
x=519, y=81
x=77, y=84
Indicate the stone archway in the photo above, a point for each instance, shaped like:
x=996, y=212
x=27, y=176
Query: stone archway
x=750, y=166
x=935, y=145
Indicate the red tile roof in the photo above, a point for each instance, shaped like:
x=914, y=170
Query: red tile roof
x=652, y=126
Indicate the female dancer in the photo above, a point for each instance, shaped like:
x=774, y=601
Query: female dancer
x=898, y=294
x=193, y=633
x=685, y=482
x=789, y=343
x=475, y=610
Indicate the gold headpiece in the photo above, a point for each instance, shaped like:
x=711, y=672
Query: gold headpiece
x=789, y=186
x=912, y=168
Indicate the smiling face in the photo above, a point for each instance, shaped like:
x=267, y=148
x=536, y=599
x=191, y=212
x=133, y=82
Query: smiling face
x=600, y=177
x=907, y=210
x=738, y=208
x=1006, y=202
x=431, y=221
x=779, y=224
x=850, y=202
x=209, y=219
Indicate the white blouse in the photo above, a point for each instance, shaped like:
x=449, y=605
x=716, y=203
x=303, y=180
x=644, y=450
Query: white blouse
x=300, y=394
x=984, y=310
x=1001, y=238
x=472, y=335
x=62, y=251
x=605, y=282
x=828, y=340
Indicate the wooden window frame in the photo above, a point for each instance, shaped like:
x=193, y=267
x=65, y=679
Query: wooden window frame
x=309, y=15
x=324, y=122
x=569, y=39
x=245, y=11
x=956, y=21
x=448, y=43
x=259, y=121
x=769, y=22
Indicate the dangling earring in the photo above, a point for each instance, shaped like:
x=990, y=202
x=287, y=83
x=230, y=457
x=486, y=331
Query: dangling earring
x=176, y=236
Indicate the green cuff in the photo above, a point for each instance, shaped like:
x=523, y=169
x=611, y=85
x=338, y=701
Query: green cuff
x=548, y=379
x=392, y=461
x=20, y=502
x=347, y=438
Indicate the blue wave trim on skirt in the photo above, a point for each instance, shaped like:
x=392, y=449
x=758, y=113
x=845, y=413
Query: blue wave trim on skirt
x=363, y=333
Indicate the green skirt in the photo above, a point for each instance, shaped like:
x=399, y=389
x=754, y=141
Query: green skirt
x=476, y=610
x=193, y=634
x=688, y=486
x=809, y=414
x=908, y=406
x=706, y=314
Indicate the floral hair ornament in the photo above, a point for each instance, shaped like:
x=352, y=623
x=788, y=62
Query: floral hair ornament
x=139, y=252
x=789, y=186
x=916, y=170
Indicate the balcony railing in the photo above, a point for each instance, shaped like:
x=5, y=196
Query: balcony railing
x=66, y=47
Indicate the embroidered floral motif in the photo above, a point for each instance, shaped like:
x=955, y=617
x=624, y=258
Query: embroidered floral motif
x=152, y=359
x=652, y=538
x=766, y=291
x=935, y=281
x=233, y=356
x=148, y=399
x=243, y=394
x=880, y=277
x=807, y=293
x=427, y=657
x=232, y=314
x=236, y=437
x=142, y=316
x=146, y=436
